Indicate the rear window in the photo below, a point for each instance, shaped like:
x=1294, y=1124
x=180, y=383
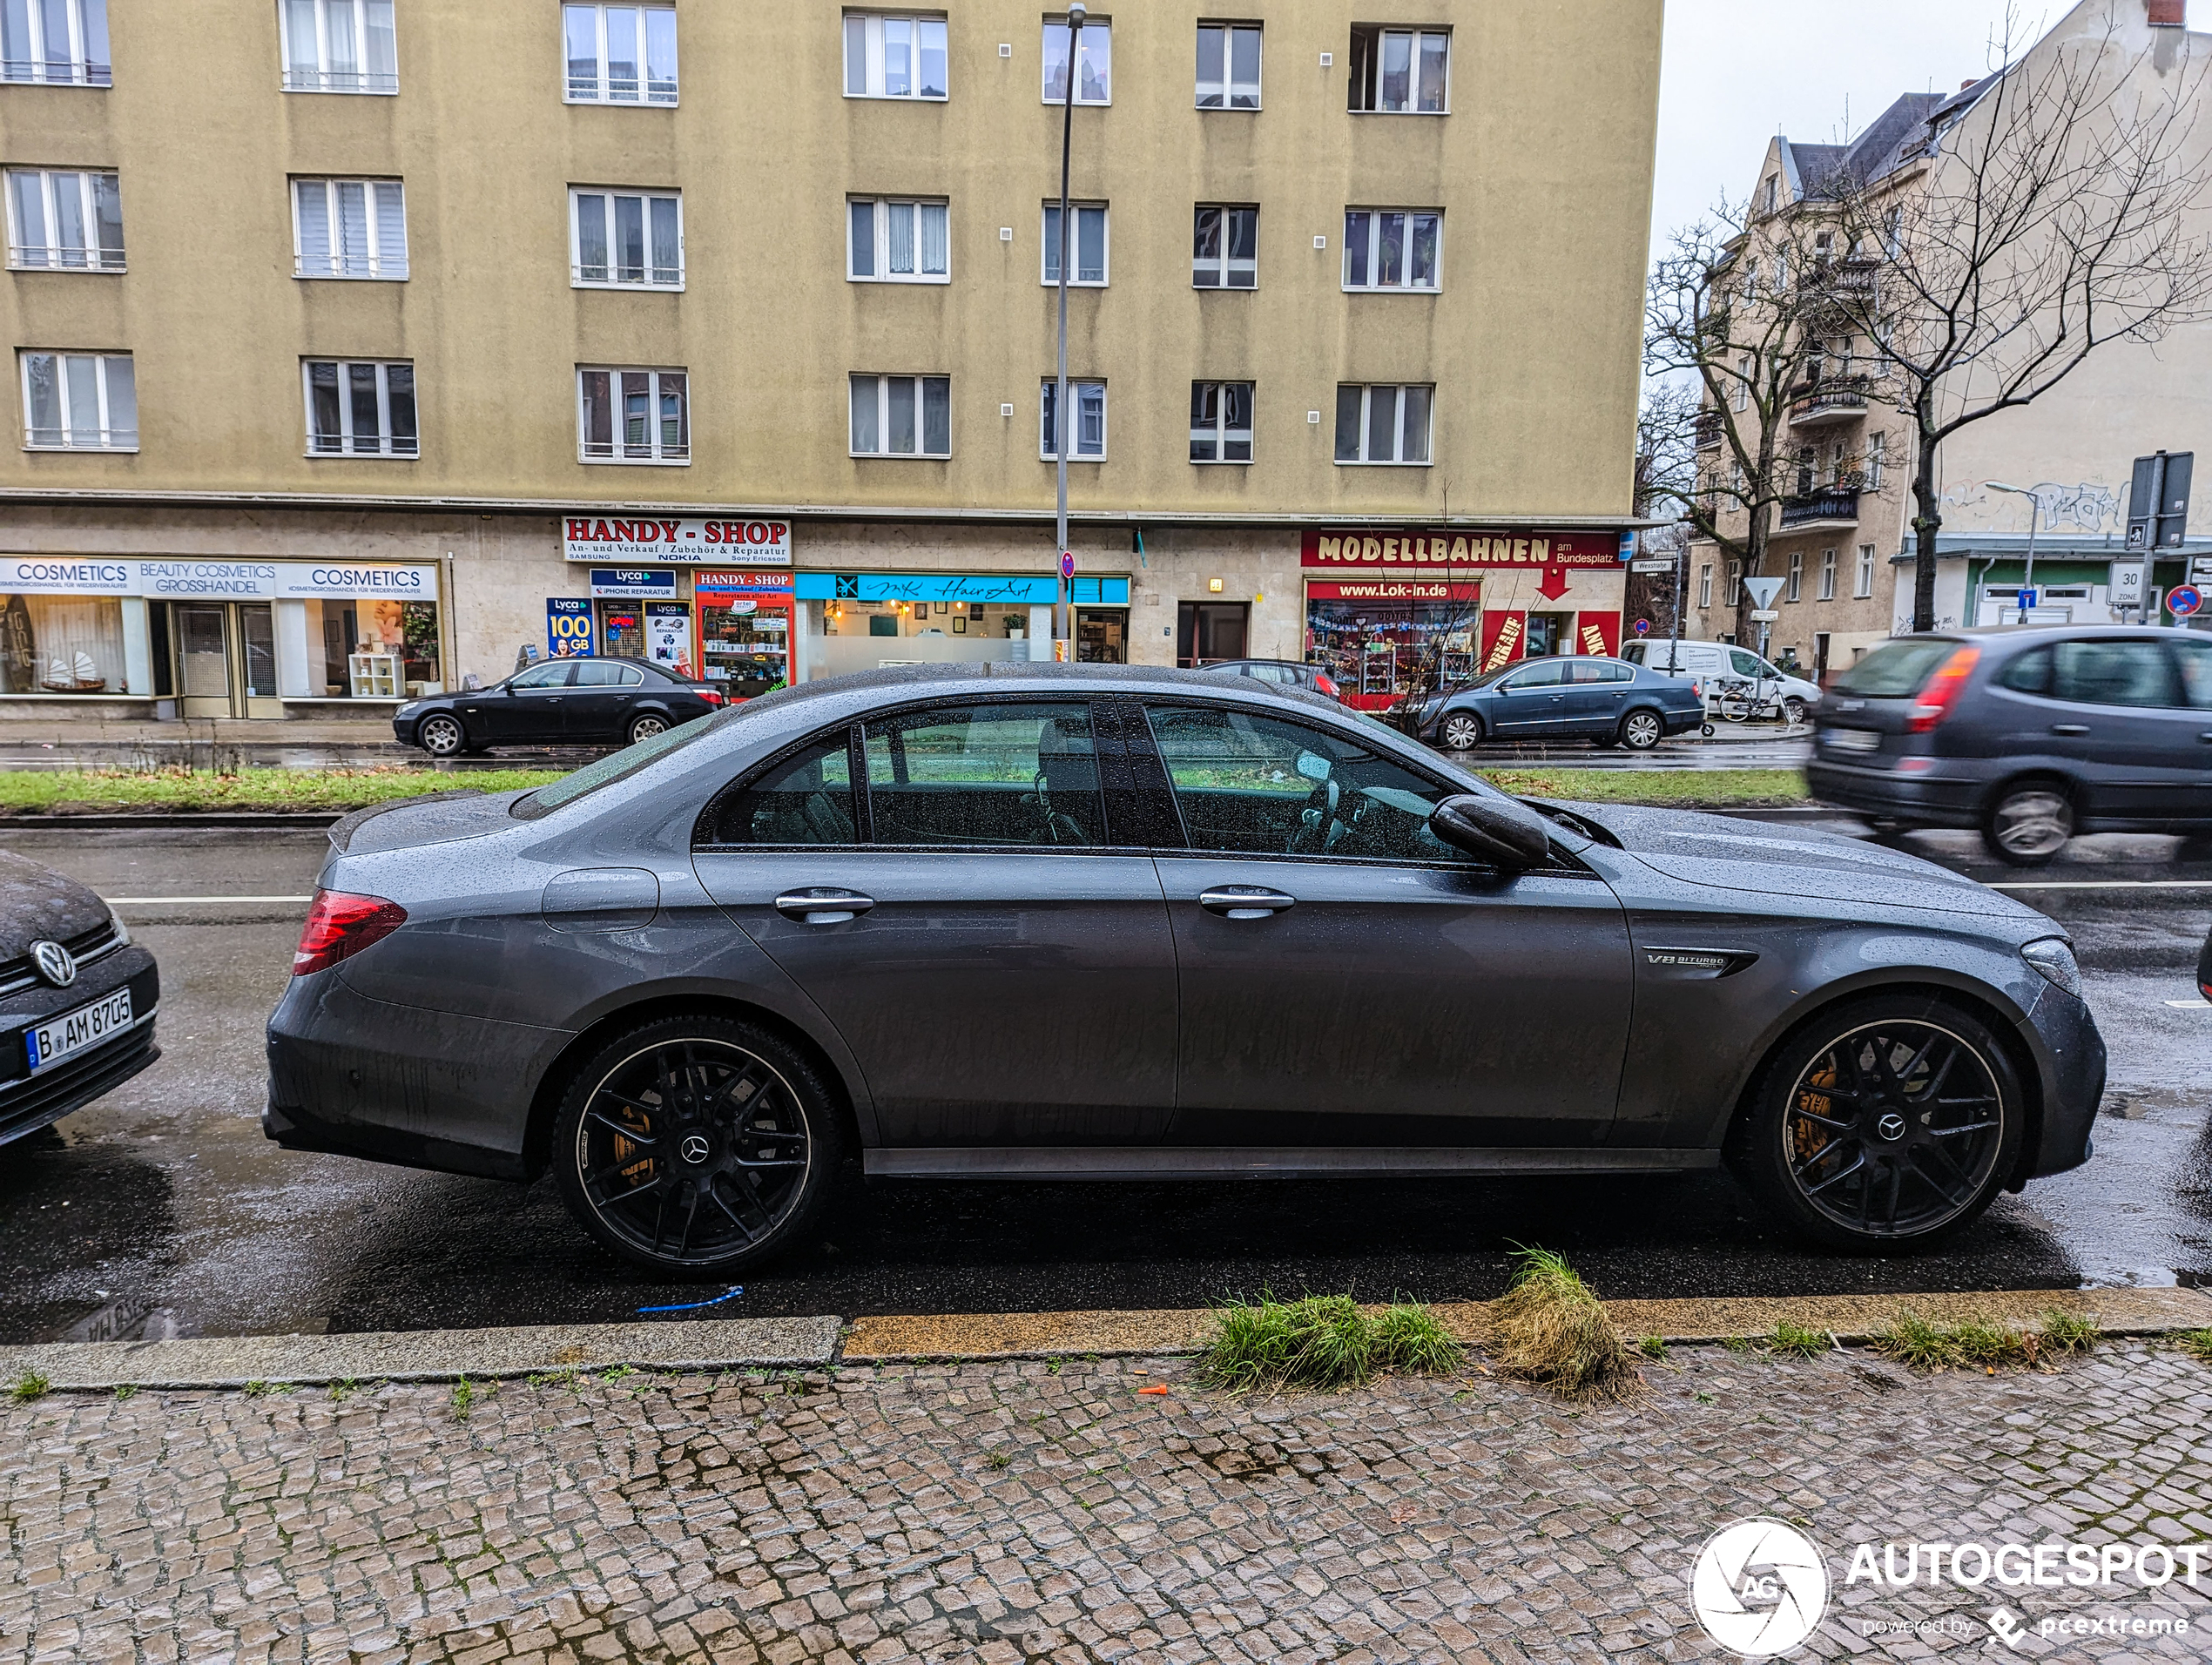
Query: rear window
x=1896, y=669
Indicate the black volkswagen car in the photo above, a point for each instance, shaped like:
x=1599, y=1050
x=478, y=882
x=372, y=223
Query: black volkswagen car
x=76, y=998
x=562, y=702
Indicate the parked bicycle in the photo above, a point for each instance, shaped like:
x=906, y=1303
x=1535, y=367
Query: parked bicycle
x=1746, y=699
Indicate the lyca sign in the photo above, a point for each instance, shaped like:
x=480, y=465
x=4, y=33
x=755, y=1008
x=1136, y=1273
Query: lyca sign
x=679, y=542
x=1377, y=551
x=213, y=580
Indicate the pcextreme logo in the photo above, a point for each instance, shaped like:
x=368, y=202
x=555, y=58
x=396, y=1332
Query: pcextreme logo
x=1759, y=1587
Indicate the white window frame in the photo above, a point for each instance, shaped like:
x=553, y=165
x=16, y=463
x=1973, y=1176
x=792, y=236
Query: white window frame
x=1827, y=575
x=862, y=382
x=1795, y=590
x=1865, y=578
x=51, y=256
x=619, y=454
x=87, y=25
x=1049, y=244
x=1094, y=28
x=1705, y=587
x=1397, y=390
x=606, y=195
x=379, y=264
x=1374, y=219
x=865, y=30
x=1878, y=451
x=1220, y=434
x=103, y=438
x=879, y=251
x=322, y=77
x=603, y=91
x=1225, y=266
x=1735, y=595
x=1079, y=389
x=387, y=444
x=1226, y=92
x=1418, y=33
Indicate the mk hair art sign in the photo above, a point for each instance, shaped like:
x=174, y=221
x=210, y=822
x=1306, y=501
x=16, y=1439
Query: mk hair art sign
x=1380, y=552
x=625, y=540
x=187, y=580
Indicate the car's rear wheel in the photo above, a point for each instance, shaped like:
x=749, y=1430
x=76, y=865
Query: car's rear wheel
x=2028, y=822
x=696, y=1145
x=1885, y=1124
x=645, y=727
x=1641, y=731
x=1460, y=731
x=442, y=736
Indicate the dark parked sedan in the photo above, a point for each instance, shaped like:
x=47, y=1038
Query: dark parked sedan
x=560, y=702
x=1577, y=697
x=76, y=998
x=2030, y=735
x=1090, y=923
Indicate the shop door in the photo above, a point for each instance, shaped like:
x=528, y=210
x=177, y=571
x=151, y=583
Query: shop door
x=1210, y=631
x=203, y=660
x=1102, y=636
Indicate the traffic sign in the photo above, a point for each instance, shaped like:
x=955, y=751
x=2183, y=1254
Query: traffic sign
x=1661, y=564
x=2027, y=599
x=1764, y=591
x=1643, y=627
x=2184, y=600
x=1764, y=615
x=1067, y=563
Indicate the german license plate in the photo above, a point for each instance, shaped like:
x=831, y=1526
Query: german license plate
x=1845, y=739
x=58, y=1037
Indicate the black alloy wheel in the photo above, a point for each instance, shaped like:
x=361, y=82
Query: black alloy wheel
x=1461, y=731
x=2028, y=822
x=1641, y=729
x=696, y=1145
x=1888, y=1124
x=442, y=736
x=645, y=727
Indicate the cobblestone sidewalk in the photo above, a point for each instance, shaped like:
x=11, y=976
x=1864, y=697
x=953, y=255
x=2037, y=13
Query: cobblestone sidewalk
x=1021, y=1512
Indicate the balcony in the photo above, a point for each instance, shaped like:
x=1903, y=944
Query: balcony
x=1836, y=507
x=1841, y=401
x=1710, y=429
x=1848, y=280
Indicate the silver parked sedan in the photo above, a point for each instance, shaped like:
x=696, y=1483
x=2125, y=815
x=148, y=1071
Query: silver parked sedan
x=1095, y=922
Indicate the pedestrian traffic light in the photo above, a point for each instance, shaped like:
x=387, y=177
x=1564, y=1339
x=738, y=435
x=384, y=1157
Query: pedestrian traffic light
x=2158, y=504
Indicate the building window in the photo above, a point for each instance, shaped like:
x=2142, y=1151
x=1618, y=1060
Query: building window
x=890, y=241
x=620, y=54
x=1089, y=399
x=1387, y=424
x=79, y=401
x=1391, y=248
x=1828, y=575
x=359, y=409
x=64, y=222
x=61, y=43
x=1877, y=449
x=1087, y=239
x=1225, y=247
x=1795, y=589
x=893, y=57
x=339, y=46
x=1866, y=583
x=632, y=239
x=903, y=417
x=1401, y=71
x=633, y=415
x=1228, y=66
x=350, y=228
x=1704, y=588
x=1094, y=74
x=1734, y=583
x=1221, y=421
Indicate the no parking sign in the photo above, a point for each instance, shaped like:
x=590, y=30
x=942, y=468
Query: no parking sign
x=2183, y=600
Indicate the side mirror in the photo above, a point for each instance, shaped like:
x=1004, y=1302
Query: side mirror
x=1492, y=829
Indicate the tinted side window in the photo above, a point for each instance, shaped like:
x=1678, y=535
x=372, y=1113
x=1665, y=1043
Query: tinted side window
x=2116, y=673
x=1259, y=785
x=2195, y=659
x=1619, y=673
x=598, y=673
x=1018, y=775
x=554, y=675
x=806, y=799
x=1549, y=674
x=2028, y=673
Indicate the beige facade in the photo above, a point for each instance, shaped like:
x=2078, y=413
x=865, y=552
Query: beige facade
x=1540, y=167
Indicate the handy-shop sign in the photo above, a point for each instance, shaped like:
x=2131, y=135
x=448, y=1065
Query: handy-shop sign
x=190, y=580
x=1380, y=551
x=677, y=543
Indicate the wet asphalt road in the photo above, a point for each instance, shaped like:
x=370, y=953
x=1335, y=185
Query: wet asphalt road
x=165, y=1197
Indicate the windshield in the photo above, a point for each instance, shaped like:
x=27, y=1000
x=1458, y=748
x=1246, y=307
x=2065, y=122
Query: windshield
x=1896, y=670
x=618, y=766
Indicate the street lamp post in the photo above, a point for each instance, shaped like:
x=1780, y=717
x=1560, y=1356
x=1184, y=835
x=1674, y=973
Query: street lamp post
x=1063, y=595
x=2034, y=514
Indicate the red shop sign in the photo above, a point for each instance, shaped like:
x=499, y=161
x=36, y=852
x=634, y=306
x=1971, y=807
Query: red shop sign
x=1391, y=589
x=1382, y=552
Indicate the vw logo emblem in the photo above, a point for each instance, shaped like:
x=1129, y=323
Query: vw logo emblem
x=54, y=963
x=1891, y=1127
x=694, y=1149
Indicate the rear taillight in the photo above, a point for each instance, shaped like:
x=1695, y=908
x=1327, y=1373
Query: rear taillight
x=339, y=925
x=713, y=697
x=1942, y=692
x=1325, y=684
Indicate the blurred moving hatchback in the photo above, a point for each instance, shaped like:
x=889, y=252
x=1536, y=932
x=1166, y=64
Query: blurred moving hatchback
x=2032, y=736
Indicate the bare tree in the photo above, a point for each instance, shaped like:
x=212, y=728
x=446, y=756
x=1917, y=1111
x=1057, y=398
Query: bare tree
x=2060, y=210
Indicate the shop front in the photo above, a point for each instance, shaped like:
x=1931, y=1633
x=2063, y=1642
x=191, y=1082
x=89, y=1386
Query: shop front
x=744, y=625
x=863, y=621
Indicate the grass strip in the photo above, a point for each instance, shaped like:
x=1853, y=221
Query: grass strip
x=1662, y=788
x=1321, y=1341
x=250, y=790
x=1551, y=1329
x=1982, y=1343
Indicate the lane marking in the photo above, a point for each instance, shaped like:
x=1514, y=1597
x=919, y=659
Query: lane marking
x=2105, y=884
x=2191, y=1006
x=202, y=901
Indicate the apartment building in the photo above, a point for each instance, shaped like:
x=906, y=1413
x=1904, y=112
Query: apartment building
x=367, y=346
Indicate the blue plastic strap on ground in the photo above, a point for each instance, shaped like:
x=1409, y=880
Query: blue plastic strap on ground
x=693, y=1307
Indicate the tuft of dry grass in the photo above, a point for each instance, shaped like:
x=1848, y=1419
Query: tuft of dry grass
x=1552, y=1331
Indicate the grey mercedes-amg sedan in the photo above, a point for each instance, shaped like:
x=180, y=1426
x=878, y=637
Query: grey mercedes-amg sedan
x=1037, y=921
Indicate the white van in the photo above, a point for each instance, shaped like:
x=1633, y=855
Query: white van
x=1704, y=662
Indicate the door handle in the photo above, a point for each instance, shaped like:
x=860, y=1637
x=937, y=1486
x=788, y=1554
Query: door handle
x=822, y=906
x=2069, y=728
x=1245, y=901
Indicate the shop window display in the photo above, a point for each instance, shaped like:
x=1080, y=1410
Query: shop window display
x=375, y=649
x=746, y=644
x=61, y=645
x=1378, y=649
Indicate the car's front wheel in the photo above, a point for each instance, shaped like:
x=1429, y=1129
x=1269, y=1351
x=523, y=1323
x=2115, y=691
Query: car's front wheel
x=1885, y=1124
x=696, y=1145
x=2029, y=823
x=1460, y=731
x=1793, y=711
x=442, y=736
x=1641, y=731
x=645, y=727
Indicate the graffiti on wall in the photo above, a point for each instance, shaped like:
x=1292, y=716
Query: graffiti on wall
x=2088, y=507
